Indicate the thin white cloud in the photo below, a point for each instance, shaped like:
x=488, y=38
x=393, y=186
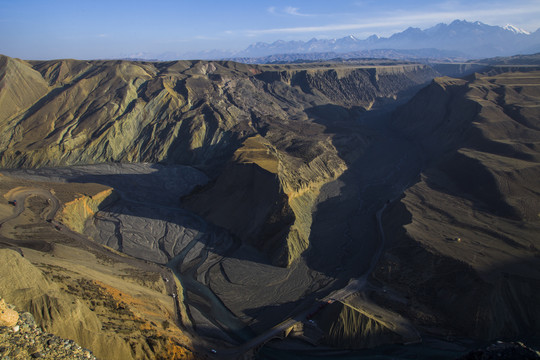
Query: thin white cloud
x=403, y=19
x=287, y=11
x=294, y=11
x=103, y=35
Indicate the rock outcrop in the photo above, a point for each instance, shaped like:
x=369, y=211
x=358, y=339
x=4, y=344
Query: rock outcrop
x=77, y=212
x=8, y=317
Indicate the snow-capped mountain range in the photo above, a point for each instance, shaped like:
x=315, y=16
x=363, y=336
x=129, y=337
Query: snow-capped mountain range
x=462, y=38
x=472, y=39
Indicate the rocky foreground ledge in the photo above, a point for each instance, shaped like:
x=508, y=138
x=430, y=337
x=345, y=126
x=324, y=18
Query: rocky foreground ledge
x=21, y=338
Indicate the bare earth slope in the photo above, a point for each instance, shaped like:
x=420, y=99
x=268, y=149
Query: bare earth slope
x=199, y=113
x=117, y=306
x=464, y=245
x=296, y=183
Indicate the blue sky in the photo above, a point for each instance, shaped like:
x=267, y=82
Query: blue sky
x=46, y=29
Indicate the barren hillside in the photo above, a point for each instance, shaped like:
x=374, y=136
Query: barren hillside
x=342, y=205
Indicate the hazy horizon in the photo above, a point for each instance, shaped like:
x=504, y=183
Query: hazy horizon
x=32, y=29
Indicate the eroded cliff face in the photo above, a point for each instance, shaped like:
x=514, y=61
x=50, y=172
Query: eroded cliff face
x=266, y=197
x=202, y=114
x=113, y=111
x=189, y=112
x=77, y=212
x=353, y=86
x=346, y=327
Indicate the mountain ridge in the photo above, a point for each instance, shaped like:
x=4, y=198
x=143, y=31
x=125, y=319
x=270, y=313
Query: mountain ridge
x=495, y=40
x=482, y=41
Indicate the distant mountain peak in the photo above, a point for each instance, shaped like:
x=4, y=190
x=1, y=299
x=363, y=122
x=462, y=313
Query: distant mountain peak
x=412, y=29
x=458, y=22
x=515, y=29
x=483, y=41
x=445, y=39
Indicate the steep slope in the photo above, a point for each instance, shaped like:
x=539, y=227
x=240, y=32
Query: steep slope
x=110, y=303
x=464, y=239
x=55, y=311
x=81, y=118
x=359, y=323
x=200, y=113
x=25, y=339
x=248, y=199
x=20, y=86
x=488, y=130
